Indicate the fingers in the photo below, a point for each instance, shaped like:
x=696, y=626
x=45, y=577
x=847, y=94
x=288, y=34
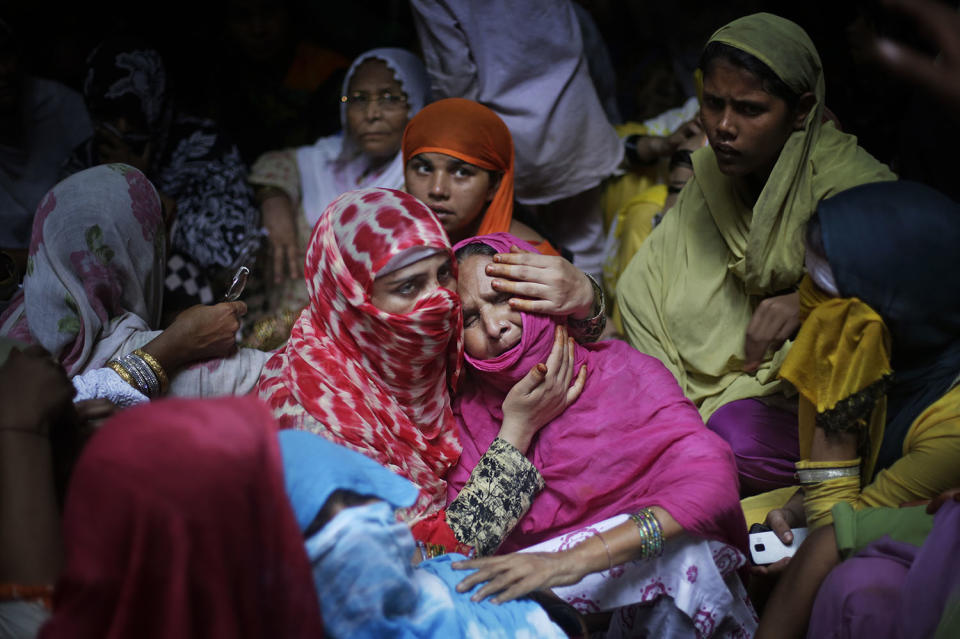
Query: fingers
x=778, y=524
x=92, y=409
x=578, y=385
x=516, y=272
x=521, y=288
x=558, y=351
x=519, y=257
x=238, y=308
x=532, y=379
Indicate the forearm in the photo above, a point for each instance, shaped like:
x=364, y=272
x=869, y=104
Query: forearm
x=498, y=494
x=788, y=609
x=626, y=542
x=30, y=546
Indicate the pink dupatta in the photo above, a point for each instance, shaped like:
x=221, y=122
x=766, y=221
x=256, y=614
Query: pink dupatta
x=631, y=440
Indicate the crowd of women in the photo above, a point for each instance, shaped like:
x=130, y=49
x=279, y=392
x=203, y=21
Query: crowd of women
x=435, y=415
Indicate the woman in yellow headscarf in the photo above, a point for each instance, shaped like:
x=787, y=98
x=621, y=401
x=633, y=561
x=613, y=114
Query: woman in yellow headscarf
x=712, y=292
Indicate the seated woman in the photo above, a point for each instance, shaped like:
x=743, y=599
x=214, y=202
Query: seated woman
x=458, y=160
x=369, y=579
x=712, y=292
x=176, y=524
x=877, y=359
x=630, y=444
x=873, y=571
x=372, y=360
x=92, y=295
x=139, y=120
x=382, y=90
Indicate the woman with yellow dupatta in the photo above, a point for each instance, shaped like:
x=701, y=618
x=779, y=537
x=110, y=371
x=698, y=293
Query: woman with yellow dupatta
x=712, y=291
x=877, y=359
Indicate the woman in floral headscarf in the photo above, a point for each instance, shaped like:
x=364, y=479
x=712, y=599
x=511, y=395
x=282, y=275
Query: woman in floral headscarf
x=92, y=293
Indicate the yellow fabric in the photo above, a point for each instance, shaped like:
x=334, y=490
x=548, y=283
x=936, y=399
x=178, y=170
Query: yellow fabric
x=842, y=348
x=632, y=225
x=618, y=190
x=819, y=498
x=688, y=295
x=756, y=507
x=930, y=465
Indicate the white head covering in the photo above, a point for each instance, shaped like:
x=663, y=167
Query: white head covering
x=334, y=165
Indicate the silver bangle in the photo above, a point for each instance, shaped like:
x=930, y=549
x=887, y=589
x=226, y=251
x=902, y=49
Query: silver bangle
x=817, y=475
x=141, y=372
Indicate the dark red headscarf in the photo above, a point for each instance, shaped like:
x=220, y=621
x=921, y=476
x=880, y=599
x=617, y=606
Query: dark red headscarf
x=177, y=525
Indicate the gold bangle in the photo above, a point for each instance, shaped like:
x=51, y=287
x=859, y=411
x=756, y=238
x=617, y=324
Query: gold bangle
x=156, y=367
x=124, y=374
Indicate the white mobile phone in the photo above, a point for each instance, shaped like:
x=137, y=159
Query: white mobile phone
x=766, y=547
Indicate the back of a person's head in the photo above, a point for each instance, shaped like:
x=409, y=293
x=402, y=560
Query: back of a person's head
x=176, y=525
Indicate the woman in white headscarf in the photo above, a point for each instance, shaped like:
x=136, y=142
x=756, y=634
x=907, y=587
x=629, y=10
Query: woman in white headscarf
x=382, y=90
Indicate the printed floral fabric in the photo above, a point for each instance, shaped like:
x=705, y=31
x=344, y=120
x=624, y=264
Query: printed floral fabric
x=373, y=381
x=696, y=577
x=499, y=492
x=97, y=242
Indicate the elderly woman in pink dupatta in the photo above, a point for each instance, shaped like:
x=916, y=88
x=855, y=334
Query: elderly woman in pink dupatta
x=628, y=470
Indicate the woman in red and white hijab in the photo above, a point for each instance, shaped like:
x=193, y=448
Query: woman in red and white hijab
x=373, y=358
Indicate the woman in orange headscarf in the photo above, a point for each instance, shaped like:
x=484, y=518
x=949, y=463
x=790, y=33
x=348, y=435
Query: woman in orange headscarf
x=458, y=160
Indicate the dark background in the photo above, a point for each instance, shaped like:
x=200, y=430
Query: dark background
x=653, y=46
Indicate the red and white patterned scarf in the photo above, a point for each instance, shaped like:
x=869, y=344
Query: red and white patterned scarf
x=364, y=378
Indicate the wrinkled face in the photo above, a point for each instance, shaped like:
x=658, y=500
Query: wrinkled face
x=458, y=192
x=490, y=326
x=747, y=126
x=376, y=124
x=400, y=291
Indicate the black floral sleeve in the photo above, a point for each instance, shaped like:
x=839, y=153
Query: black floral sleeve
x=499, y=492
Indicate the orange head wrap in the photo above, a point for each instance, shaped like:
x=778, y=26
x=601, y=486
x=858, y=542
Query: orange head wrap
x=471, y=132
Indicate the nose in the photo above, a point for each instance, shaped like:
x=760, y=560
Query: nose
x=373, y=110
x=493, y=324
x=727, y=125
x=440, y=185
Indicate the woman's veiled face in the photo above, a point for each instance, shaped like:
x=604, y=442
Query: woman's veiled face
x=377, y=109
x=746, y=126
x=400, y=291
x=490, y=325
x=456, y=191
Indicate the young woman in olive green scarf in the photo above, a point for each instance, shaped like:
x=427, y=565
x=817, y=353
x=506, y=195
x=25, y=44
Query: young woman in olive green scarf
x=712, y=292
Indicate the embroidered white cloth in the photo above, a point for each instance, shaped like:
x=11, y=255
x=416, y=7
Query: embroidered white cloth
x=104, y=383
x=695, y=576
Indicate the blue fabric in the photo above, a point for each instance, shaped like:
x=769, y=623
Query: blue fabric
x=368, y=588
x=896, y=246
x=313, y=468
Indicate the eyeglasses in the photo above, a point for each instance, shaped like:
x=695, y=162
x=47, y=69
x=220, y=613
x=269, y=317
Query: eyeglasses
x=386, y=101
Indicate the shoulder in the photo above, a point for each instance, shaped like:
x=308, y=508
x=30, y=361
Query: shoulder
x=525, y=233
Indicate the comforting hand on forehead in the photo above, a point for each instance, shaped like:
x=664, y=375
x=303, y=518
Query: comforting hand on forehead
x=550, y=284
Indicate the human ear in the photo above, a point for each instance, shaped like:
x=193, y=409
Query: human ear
x=804, y=105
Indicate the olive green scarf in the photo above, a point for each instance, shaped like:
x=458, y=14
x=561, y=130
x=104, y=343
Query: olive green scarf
x=690, y=291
